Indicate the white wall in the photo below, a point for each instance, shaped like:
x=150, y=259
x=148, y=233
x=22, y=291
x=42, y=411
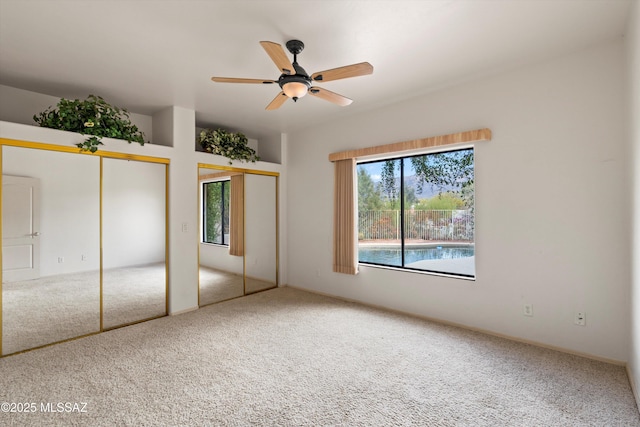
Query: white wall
x=270, y=148
x=19, y=106
x=551, y=204
x=133, y=213
x=218, y=257
x=633, y=52
x=69, y=206
x=260, y=226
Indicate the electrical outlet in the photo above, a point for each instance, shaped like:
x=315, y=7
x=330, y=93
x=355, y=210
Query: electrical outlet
x=60, y=260
x=185, y=227
x=580, y=318
x=83, y=257
x=527, y=310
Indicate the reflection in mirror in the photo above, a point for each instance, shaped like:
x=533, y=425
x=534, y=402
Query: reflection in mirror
x=221, y=239
x=133, y=241
x=50, y=247
x=261, y=242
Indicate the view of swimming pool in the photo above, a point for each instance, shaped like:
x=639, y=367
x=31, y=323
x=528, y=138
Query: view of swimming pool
x=392, y=255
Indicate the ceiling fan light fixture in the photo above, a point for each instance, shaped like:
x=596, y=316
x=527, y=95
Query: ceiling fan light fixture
x=294, y=80
x=295, y=89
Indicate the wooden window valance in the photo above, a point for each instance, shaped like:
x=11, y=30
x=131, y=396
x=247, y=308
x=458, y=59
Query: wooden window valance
x=416, y=144
x=218, y=175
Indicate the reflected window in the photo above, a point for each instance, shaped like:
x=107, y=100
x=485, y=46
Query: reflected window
x=215, y=212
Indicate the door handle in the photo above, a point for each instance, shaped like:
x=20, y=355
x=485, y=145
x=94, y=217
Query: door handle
x=35, y=234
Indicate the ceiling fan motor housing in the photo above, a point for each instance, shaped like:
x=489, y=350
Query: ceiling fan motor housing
x=301, y=76
x=295, y=46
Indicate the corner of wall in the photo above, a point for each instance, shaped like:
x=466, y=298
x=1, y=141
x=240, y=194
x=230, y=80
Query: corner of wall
x=163, y=127
x=283, y=208
x=270, y=148
x=633, y=80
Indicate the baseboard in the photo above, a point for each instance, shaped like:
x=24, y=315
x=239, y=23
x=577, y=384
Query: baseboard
x=634, y=389
x=470, y=328
x=186, y=310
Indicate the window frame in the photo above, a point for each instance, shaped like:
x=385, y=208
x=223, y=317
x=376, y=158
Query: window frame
x=401, y=195
x=222, y=210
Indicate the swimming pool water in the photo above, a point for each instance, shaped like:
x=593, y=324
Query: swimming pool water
x=392, y=256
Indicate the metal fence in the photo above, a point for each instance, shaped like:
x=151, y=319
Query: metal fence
x=441, y=225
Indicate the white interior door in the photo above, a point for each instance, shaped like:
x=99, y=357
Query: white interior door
x=20, y=228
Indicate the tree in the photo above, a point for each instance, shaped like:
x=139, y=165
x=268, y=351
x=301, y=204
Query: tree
x=410, y=197
x=467, y=193
x=468, y=196
x=369, y=197
x=388, y=179
x=216, y=215
x=444, y=201
x=454, y=168
x=449, y=169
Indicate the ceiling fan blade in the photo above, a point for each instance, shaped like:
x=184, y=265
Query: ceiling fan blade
x=277, y=101
x=327, y=95
x=354, y=70
x=234, y=80
x=277, y=55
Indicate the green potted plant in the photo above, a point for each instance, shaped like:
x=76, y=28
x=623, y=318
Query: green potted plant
x=92, y=116
x=230, y=145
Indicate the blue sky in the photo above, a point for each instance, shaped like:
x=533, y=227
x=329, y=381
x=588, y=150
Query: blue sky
x=375, y=170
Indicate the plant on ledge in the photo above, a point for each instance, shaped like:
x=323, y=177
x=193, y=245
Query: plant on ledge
x=93, y=117
x=230, y=145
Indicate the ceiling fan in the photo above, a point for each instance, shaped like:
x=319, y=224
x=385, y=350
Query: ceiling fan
x=294, y=80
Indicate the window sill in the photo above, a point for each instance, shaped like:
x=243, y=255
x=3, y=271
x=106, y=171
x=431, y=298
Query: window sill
x=215, y=244
x=409, y=270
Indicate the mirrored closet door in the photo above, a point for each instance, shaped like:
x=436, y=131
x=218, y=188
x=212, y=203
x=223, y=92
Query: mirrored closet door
x=134, y=281
x=221, y=246
x=261, y=233
x=83, y=243
x=238, y=233
x=50, y=247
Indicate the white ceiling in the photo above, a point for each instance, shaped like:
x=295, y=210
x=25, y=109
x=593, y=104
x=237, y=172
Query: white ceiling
x=146, y=55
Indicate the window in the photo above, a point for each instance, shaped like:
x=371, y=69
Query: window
x=417, y=212
x=215, y=206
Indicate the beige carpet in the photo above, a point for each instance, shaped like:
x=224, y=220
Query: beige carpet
x=290, y=358
x=217, y=285
x=257, y=285
x=134, y=293
x=55, y=308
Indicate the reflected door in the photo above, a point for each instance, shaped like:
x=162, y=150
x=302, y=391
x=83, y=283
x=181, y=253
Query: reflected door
x=20, y=225
x=133, y=241
x=64, y=301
